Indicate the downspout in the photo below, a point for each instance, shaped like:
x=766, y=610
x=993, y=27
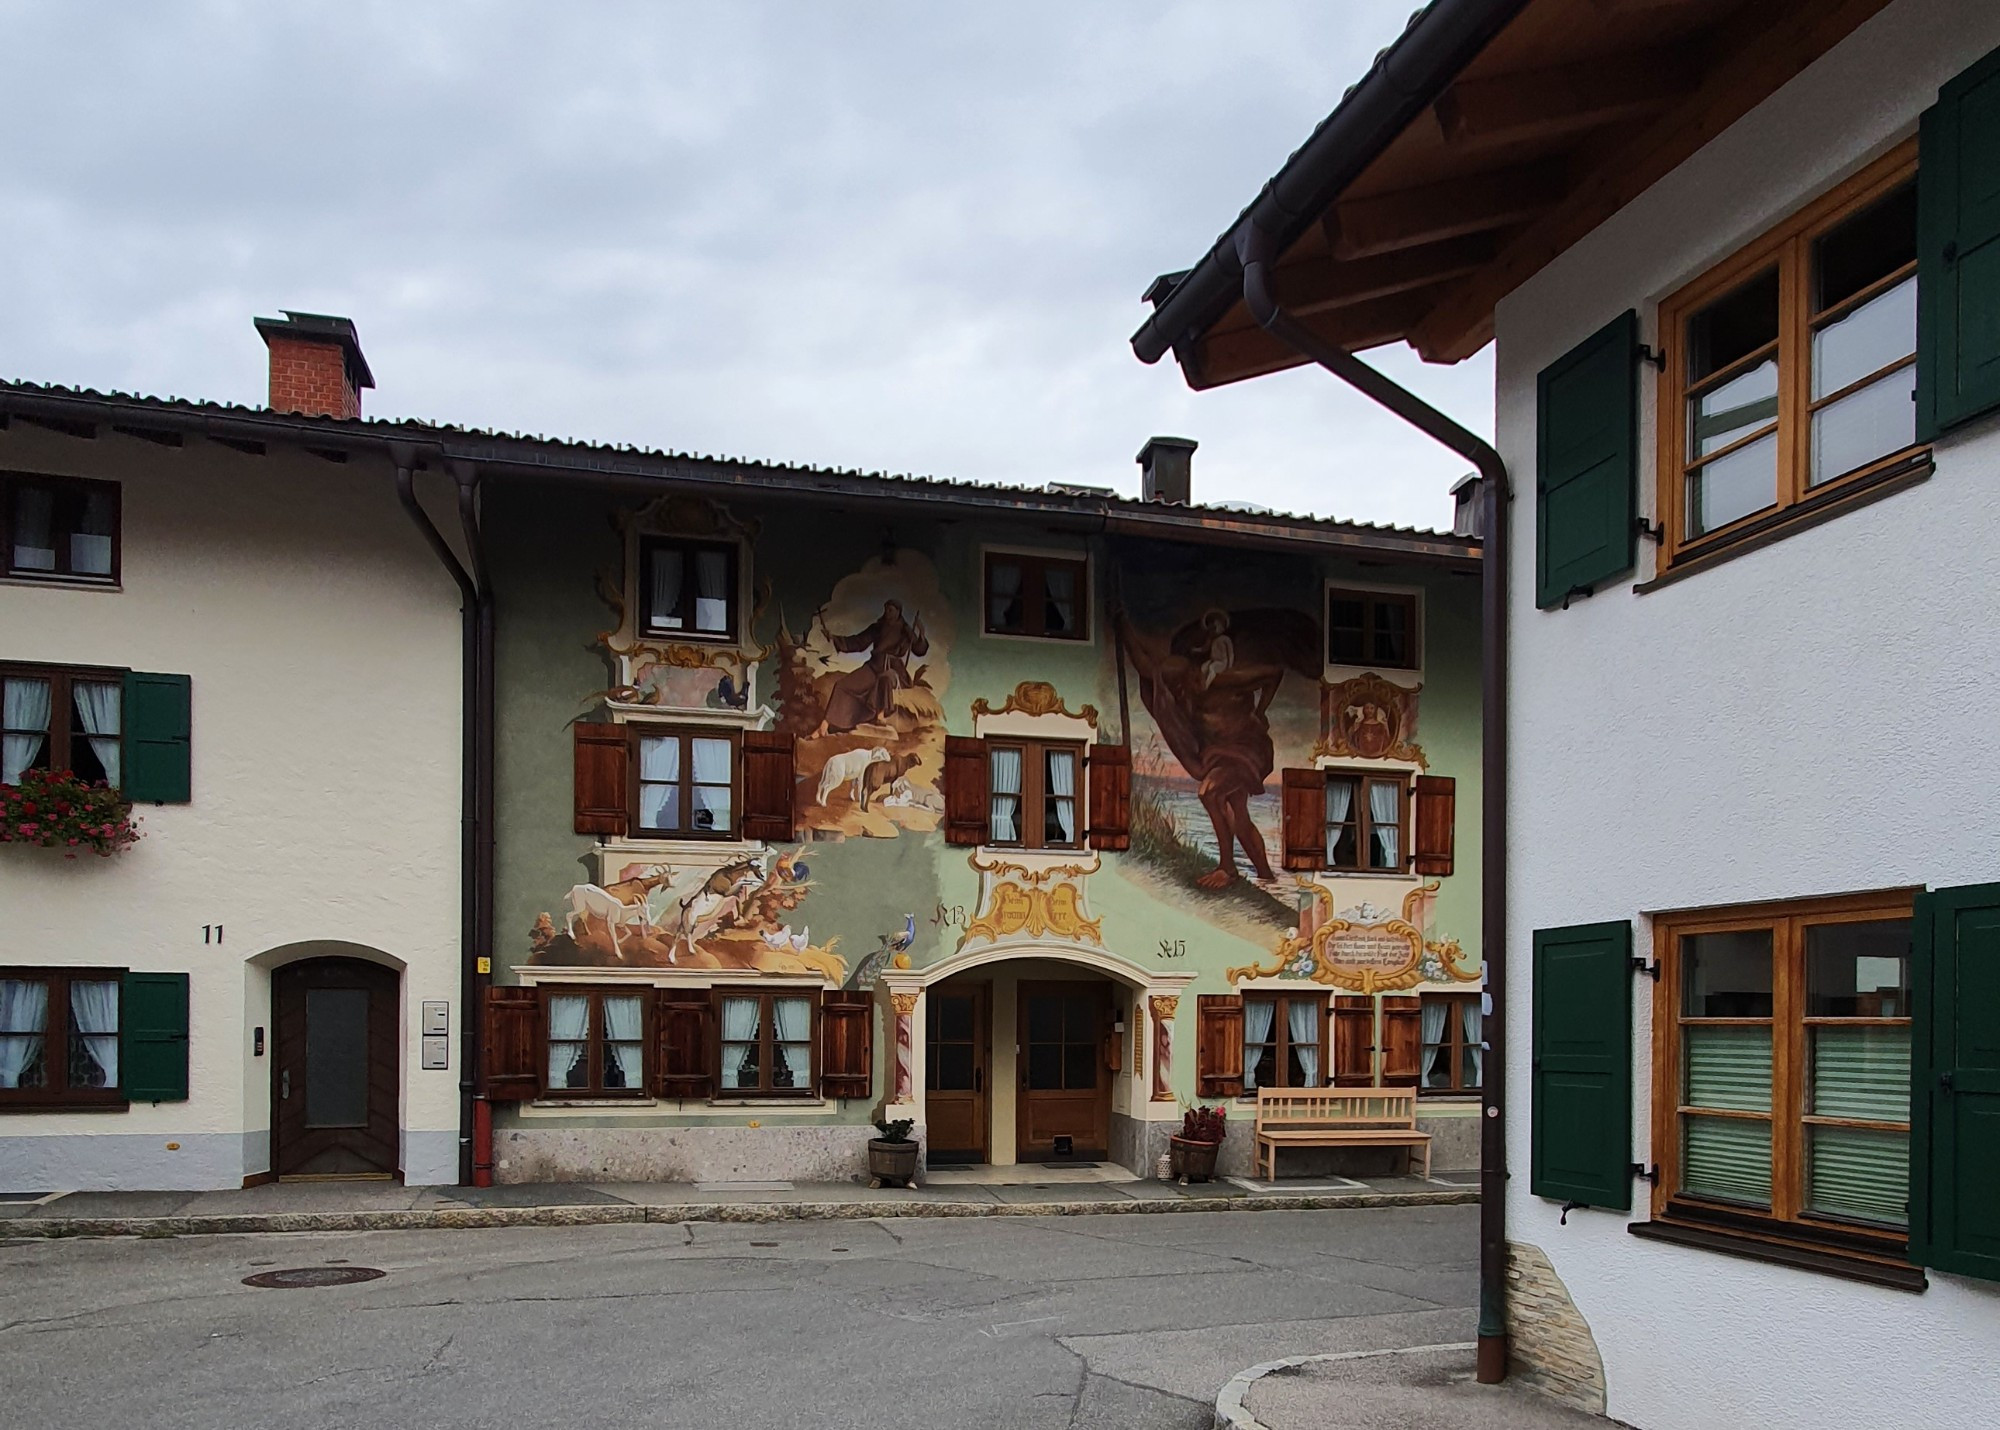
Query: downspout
x=479, y=968
x=470, y=802
x=1253, y=247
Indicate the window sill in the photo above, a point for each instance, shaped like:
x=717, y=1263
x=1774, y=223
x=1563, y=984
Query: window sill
x=67, y=583
x=774, y=1101
x=1755, y=535
x=1875, y=1271
x=570, y=1104
x=108, y=1104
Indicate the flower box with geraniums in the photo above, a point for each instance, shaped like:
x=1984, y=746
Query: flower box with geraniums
x=1200, y=1138
x=892, y=1157
x=54, y=809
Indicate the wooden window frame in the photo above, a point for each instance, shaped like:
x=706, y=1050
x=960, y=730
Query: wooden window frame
x=766, y=1036
x=62, y=704
x=688, y=547
x=1410, y=601
x=1034, y=791
x=637, y=731
x=60, y=1097
x=1788, y=248
x=594, y=1039
x=10, y=487
x=1281, y=1036
x=1787, y=1220
x=1454, y=1028
x=1364, y=823
x=1034, y=568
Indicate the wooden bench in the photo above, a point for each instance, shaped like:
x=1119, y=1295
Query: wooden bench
x=1337, y=1117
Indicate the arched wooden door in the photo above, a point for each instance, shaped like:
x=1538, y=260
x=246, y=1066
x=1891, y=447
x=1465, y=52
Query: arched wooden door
x=335, y=1069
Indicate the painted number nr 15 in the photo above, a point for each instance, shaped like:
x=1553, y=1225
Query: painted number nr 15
x=211, y=933
x=1173, y=948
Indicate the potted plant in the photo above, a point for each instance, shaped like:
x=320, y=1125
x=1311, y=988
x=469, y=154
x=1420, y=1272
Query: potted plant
x=892, y=1157
x=1200, y=1138
x=58, y=810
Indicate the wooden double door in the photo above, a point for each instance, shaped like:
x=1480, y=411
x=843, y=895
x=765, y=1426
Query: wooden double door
x=1062, y=1100
x=335, y=1069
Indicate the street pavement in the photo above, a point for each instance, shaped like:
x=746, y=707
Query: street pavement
x=1019, y=1323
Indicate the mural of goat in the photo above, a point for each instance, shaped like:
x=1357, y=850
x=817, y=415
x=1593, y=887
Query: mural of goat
x=622, y=904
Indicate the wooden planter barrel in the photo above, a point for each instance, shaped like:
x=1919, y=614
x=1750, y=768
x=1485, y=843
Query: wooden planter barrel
x=1193, y=1161
x=892, y=1161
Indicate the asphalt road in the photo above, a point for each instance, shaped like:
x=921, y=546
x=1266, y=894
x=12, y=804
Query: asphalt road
x=1022, y=1323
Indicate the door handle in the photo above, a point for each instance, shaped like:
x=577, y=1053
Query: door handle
x=1944, y=1081
x=979, y=1079
x=285, y=1085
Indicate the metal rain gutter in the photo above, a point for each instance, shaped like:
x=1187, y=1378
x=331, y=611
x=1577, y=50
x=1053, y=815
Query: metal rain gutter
x=1260, y=298
x=1440, y=41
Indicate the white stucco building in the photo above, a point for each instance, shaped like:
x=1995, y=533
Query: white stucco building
x=1742, y=266
x=247, y=990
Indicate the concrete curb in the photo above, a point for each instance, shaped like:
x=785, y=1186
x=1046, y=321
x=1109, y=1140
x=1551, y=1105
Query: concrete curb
x=477, y=1218
x=1232, y=1414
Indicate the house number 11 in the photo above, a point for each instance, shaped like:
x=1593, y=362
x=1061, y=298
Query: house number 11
x=211, y=933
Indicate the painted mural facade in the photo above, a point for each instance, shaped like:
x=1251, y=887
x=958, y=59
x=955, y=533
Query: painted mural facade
x=856, y=657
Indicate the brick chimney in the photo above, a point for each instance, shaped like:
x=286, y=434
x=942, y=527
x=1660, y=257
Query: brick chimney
x=1166, y=466
x=316, y=365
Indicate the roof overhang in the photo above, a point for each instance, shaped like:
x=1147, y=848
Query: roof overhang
x=1488, y=139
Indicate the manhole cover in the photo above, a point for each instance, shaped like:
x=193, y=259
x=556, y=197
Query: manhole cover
x=300, y=1276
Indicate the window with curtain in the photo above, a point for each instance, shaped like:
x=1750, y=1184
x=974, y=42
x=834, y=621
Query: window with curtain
x=1284, y=1041
x=684, y=782
x=61, y=718
x=1377, y=629
x=1043, y=596
x=59, y=1037
x=1450, y=1057
x=1366, y=821
x=1793, y=364
x=60, y=527
x=596, y=1042
x=1034, y=794
x=1788, y=1040
x=767, y=1041
x=689, y=588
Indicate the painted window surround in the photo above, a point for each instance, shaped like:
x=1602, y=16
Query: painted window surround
x=1092, y=607
x=1055, y=729
x=1396, y=675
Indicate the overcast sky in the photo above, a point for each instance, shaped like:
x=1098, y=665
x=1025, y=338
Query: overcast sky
x=907, y=237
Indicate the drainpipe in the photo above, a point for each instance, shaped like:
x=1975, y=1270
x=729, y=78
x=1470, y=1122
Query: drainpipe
x=1253, y=250
x=475, y=863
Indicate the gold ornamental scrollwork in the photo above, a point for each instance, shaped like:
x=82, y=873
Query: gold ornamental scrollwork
x=905, y=1004
x=1369, y=718
x=1036, y=697
x=1021, y=873
x=1013, y=909
x=1164, y=1006
x=1384, y=956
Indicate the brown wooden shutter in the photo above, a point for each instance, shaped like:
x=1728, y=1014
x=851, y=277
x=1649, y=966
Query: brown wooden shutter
x=964, y=790
x=1353, y=1041
x=1110, y=797
x=685, y=1065
x=768, y=757
x=1437, y=811
x=1402, y=1040
x=847, y=1044
x=1218, y=1045
x=1305, y=819
x=512, y=1051
x=602, y=754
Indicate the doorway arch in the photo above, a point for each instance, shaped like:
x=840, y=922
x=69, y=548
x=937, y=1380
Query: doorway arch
x=336, y=1063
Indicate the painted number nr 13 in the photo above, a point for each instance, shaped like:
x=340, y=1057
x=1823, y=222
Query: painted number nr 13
x=211, y=933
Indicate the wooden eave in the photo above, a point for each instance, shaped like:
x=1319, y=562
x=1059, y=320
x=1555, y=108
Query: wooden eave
x=1569, y=112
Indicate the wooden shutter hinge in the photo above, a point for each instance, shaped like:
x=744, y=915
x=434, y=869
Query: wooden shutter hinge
x=1651, y=970
x=1647, y=1174
x=1654, y=357
x=1575, y=591
x=1651, y=530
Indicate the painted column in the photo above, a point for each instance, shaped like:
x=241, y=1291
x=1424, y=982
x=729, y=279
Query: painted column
x=1164, y=1006
x=905, y=1005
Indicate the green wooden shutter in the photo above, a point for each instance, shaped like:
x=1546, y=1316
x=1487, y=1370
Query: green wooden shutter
x=1955, y=1081
x=153, y=1037
x=1587, y=463
x=1581, y=1117
x=1958, y=252
x=158, y=710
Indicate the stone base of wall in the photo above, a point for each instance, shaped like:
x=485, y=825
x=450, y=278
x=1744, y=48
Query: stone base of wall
x=1454, y=1145
x=683, y=1154
x=1549, y=1343
x=1137, y=1145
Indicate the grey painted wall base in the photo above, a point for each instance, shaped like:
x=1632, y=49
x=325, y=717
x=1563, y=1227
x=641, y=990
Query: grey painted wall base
x=430, y=1159
x=1136, y=1145
x=125, y=1162
x=682, y=1154
x=1454, y=1144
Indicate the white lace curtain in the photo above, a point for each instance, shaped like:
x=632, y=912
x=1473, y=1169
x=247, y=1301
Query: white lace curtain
x=739, y=1042
x=1062, y=792
x=1339, y=805
x=1004, y=798
x=34, y=536
x=791, y=1022
x=93, y=1014
x=624, y=1023
x=24, y=1007
x=1258, y=1016
x=659, y=781
x=1472, y=1027
x=711, y=590
x=711, y=784
x=1061, y=587
x=569, y=1053
x=1003, y=584
x=1302, y=1022
x=90, y=543
x=1385, y=818
x=1437, y=1049
x=669, y=580
x=26, y=711
x=97, y=704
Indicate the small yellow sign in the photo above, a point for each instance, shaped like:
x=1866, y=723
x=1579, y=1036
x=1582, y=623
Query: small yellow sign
x=485, y=965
